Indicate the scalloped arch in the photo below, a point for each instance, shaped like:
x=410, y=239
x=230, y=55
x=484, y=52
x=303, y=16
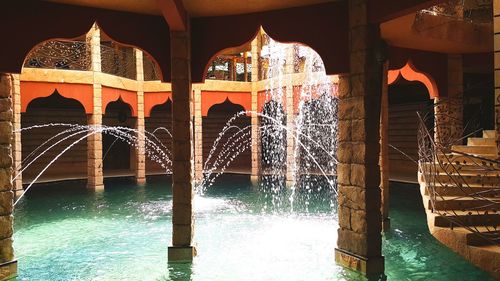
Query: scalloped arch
x=410, y=73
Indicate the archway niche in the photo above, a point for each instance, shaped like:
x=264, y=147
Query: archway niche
x=47, y=110
x=273, y=137
x=213, y=124
x=117, y=154
x=405, y=99
x=158, y=122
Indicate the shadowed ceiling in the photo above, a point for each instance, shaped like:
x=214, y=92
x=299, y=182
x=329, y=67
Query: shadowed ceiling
x=196, y=8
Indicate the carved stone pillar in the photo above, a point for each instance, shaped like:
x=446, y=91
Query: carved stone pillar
x=496, y=32
x=182, y=248
x=94, y=142
x=448, y=111
x=290, y=118
x=8, y=265
x=198, y=136
x=140, y=150
x=17, y=156
x=256, y=141
x=384, y=149
x=360, y=222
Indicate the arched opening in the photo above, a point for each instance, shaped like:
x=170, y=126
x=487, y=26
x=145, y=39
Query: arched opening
x=213, y=124
x=117, y=154
x=319, y=118
x=49, y=110
x=405, y=98
x=159, y=123
x=273, y=138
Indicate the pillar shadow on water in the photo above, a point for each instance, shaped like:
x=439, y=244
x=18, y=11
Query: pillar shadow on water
x=179, y=272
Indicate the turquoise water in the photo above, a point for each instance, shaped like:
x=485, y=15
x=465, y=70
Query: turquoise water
x=65, y=232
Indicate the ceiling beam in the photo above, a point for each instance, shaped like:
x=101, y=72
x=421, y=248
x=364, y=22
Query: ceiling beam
x=174, y=13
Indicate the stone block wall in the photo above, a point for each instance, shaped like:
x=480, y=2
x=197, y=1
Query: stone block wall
x=359, y=200
x=8, y=266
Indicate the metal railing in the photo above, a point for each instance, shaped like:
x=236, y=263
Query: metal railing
x=71, y=55
x=452, y=176
x=76, y=55
x=118, y=60
x=151, y=70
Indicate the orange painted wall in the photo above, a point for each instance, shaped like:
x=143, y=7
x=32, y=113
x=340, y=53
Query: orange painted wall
x=83, y=93
x=210, y=98
x=154, y=98
x=113, y=94
x=410, y=73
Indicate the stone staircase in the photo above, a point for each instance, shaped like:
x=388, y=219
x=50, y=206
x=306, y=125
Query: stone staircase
x=461, y=196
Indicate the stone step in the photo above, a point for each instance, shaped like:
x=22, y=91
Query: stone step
x=460, y=159
x=461, y=218
x=476, y=149
x=483, y=180
x=481, y=141
x=489, y=134
x=443, y=203
x=477, y=167
x=471, y=190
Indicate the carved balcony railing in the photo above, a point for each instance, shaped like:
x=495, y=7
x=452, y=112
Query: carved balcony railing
x=71, y=55
x=118, y=60
x=76, y=55
x=151, y=70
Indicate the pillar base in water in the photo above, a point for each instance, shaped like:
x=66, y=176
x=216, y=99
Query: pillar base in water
x=140, y=181
x=386, y=224
x=8, y=270
x=254, y=179
x=181, y=253
x=370, y=267
x=98, y=187
x=18, y=193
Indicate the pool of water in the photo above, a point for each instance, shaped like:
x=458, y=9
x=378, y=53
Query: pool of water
x=65, y=232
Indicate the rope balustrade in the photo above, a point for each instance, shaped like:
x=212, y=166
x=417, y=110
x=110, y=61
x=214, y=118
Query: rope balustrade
x=451, y=177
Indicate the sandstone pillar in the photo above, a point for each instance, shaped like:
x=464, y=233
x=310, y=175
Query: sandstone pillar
x=8, y=265
x=448, y=111
x=256, y=141
x=496, y=32
x=290, y=118
x=17, y=156
x=384, y=149
x=198, y=136
x=182, y=248
x=140, y=150
x=359, y=235
x=94, y=142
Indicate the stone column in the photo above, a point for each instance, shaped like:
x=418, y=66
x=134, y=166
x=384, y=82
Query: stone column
x=182, y=248
x=496, y=32
x=290, y=118
x=94, y=142
x=17, y=156
x=360, y=222
x=8, y=265
x=140, y=151
x=256, y=141
x=198, y=135
x=245, y=70
x=384, y=149
x=448, y=111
